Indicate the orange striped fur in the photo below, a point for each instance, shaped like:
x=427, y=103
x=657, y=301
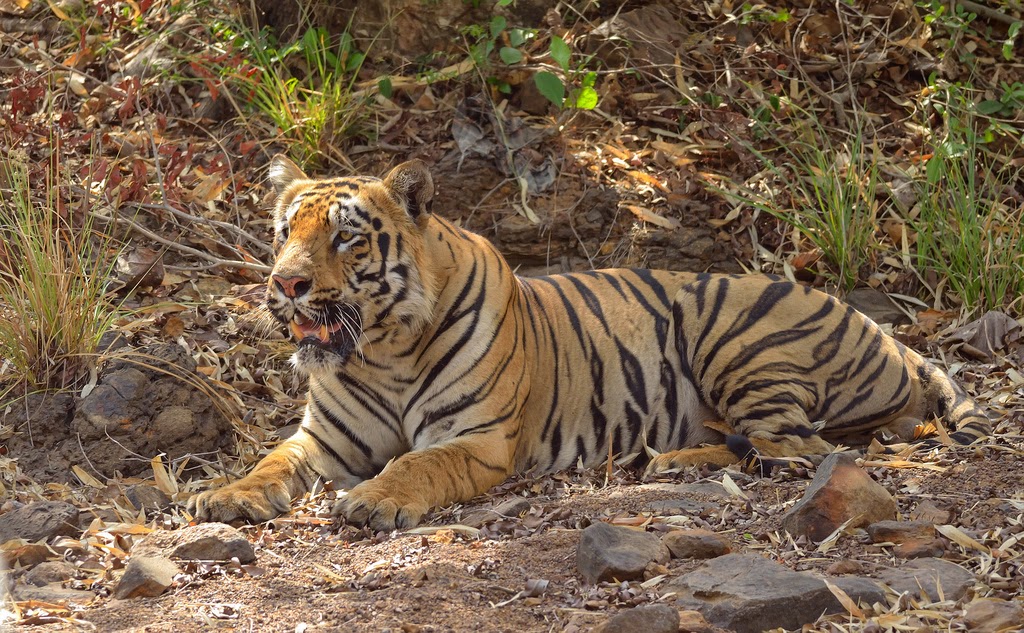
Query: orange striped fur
x=435, y=372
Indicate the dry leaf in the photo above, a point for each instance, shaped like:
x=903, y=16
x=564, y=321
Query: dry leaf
x=844, y=599
x=86, y=478
x=162, y=478
x=732, y=488
x=988, y=334
x=650, y=216
x=954, y=534
x=457, y=528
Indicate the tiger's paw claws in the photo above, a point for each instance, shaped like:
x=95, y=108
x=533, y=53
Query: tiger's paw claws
x=240, y=502
x=372, y=505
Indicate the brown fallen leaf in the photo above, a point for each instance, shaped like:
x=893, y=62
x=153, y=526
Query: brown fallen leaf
x=987, y=335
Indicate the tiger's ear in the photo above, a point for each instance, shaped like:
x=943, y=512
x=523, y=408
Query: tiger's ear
x=411, y=183
x=284, y=172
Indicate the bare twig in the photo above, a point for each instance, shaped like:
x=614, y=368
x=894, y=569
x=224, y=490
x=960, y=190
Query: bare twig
x=227, y=226
x=181, y=248
x=23, y=25
x=988, y=12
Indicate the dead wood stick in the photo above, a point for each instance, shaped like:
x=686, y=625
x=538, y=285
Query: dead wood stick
x=988, y=12
x=227, y=226
x=181, y=248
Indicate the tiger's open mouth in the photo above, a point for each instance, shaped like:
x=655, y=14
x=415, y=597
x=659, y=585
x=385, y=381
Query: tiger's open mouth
x=303, y=327
x=326, y=339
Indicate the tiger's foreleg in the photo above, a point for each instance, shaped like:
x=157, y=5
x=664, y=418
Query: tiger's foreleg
x=415, y=482
x=267, y=491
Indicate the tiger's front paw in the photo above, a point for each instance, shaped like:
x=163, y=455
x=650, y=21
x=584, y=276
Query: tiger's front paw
x=382, y=507
x=249, y=501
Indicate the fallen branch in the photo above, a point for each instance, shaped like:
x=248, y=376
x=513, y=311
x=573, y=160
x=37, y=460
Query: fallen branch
x=227, y=226
x=988, y=12
x=181, y=248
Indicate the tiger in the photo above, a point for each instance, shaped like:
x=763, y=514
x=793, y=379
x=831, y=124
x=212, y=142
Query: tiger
x=436, y=373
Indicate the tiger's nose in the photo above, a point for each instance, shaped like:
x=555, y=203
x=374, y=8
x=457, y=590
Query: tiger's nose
x=292, y=287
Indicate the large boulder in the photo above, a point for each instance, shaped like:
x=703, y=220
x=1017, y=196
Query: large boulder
x=747, y=593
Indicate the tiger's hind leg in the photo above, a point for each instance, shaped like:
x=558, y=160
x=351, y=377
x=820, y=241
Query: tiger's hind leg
x=751, y=451
x=758, y=427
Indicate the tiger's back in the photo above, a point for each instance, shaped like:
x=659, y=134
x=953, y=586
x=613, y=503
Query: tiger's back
x=435, y=372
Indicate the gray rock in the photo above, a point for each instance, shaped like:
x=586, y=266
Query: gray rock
x=989, y=616
x=687, y=491
x=686, y=507
x=900, y=531
x=608, y=552
x=691, y=501
x=841, y=491
x=928, y=511
x=748, y=593
x=146, y=576
x=145, y=497
x=49, y=572
x=656, y=618
x=920, y=548
x=694, y=622
x=844, y=567
x=25, y=556
x=696, y=544
x=129, y=383
x=52, y=593
x=40, y=521
x=649, y=35
x=929, y=574
x=205, y=541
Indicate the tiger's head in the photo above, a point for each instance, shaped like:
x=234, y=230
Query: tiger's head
x=348, y=272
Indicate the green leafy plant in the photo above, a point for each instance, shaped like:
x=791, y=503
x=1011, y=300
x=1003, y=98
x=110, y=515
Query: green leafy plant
x=750, y=14
x=573, y=88
x=508, y=42
x=307, y=89
x=968, y=228
x=1011, y=40
x=581, y=93
x=1009, y=102
x=53, y=276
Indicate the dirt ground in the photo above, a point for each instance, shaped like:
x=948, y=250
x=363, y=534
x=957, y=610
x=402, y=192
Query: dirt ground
x=636, y=184
x=311, y=574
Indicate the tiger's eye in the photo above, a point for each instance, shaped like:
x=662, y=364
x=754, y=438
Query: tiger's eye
x=343, y=237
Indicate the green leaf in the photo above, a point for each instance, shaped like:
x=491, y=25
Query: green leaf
x=990, y=106
x=560, y=52
x=385, y=87
x=933, y=170
x=586, y=99
x=510, y=55
x=551, y=87
x=517, y=37
x=498, y=24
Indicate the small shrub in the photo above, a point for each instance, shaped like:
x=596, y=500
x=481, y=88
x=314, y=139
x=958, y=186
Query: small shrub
x=306, y=89
x=53, y=275
x=826, y=190
x=969, y=228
